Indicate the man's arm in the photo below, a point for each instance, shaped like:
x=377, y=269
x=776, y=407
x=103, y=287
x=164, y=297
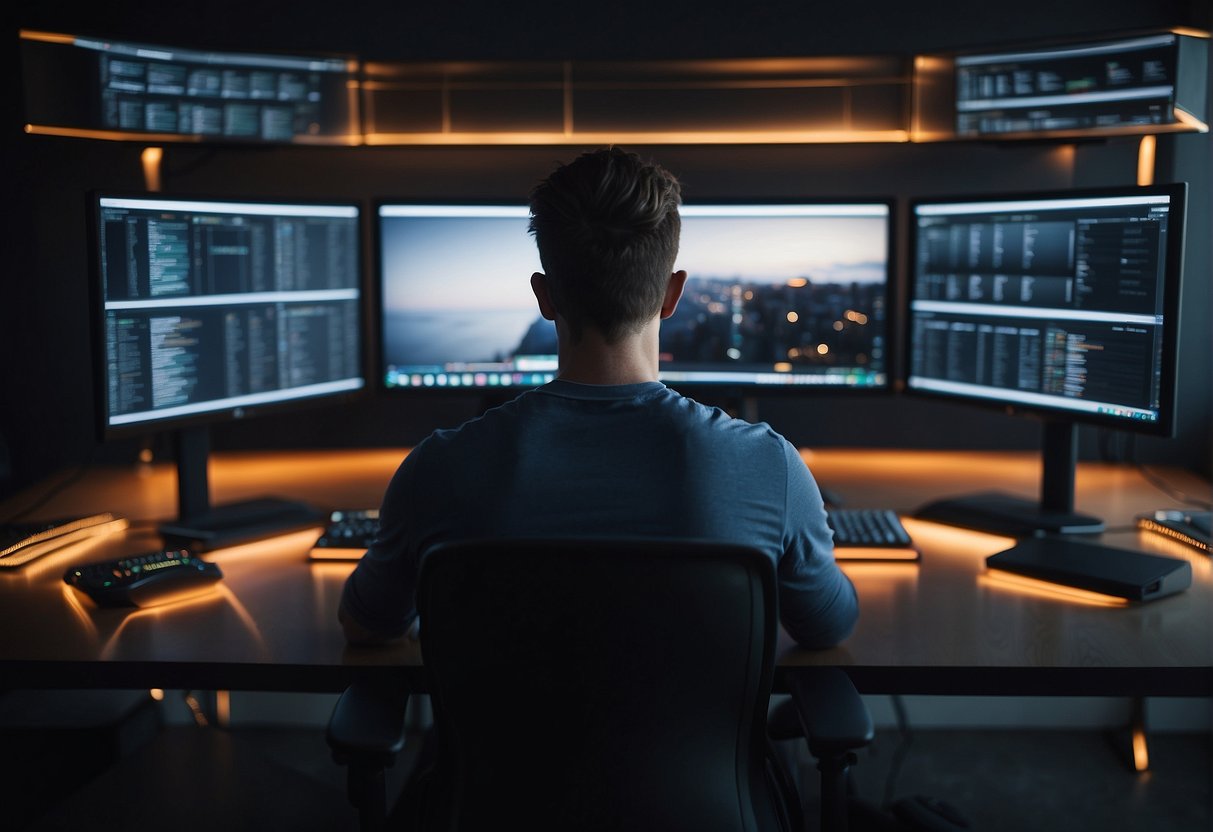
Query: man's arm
x=817, y=602
x=378, y=602
x=359, y=635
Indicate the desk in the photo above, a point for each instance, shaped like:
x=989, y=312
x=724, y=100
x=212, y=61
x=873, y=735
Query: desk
x=939, y=626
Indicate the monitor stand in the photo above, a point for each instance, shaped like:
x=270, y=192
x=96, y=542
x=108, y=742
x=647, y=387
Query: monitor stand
x=201, y=527
x=1007, y=514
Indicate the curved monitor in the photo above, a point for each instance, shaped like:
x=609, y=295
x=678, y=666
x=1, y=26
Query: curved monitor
x=779, y=296
x=1062, y=304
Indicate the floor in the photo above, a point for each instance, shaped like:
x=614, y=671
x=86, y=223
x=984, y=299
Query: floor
x=999, y=780
x=1046, y=780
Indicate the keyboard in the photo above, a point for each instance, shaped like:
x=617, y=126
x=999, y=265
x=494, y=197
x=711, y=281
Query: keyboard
x=347, y=535
x=870, y=534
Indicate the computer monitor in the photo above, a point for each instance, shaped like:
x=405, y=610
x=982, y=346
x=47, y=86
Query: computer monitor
x=214, y=310
x=780, y=296
x=1062, y=305
x=101, y=88
x=1132, y=84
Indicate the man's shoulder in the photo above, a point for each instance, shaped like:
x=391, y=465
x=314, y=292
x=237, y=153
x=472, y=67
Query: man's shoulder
x=716, y=419
x=487, y=428
x=752, y=441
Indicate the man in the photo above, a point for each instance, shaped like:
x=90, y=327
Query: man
x=605, y=449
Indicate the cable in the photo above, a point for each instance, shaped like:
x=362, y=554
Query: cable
x=54, y=490
x=1170, y=490
x=899, y=754
x=1126, y=451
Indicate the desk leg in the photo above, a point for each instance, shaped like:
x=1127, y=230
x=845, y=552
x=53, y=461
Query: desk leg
x=1132, y=742
x=1137, y=729
x=210, y=707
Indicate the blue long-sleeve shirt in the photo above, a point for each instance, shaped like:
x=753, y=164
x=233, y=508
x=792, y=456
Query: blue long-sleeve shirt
x=638, y=460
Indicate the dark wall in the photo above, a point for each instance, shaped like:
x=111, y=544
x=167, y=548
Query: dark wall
x=623, y=29
x=47, y=420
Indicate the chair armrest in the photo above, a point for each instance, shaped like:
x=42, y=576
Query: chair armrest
x=367, y=724
x=834, y=717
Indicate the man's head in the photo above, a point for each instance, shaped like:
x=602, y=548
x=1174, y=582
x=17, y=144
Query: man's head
x=607, y=228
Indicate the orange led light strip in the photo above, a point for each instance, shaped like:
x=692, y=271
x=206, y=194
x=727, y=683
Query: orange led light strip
x=321, y=553
x=43, y=543
x=1175, y=534
x=1141, y=751
x=1049, y=589
x=871, y=553
x=655, y=137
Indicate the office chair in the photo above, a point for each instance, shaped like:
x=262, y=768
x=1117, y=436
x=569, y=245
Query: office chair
x=609, y=684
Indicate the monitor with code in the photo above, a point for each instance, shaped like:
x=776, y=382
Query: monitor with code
x=1062, y=305
x=94, y=87
x=213, y=309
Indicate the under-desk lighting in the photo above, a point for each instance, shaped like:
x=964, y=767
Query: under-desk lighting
x=72, y=597
x=884, y=580
x=874, y=553
x=107, y=135
x=506, y=137
x=175, y=605
x=1046, y=589
x=1141, y=751
x=283, y=546
x=1145, y=160
x=151, y=158
x=352, y=140
x=1175, y=534
x=60, y=539
x=955, y=538
x=223, y=708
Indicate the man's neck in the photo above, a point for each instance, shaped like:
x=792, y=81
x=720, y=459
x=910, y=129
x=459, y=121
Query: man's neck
x=630, y=360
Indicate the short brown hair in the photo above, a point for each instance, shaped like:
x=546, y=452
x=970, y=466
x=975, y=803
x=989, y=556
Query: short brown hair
x=607, y=228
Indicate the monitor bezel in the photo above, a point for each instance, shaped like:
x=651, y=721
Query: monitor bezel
x=220, y=415
x=721, y=390
x=1173, y=269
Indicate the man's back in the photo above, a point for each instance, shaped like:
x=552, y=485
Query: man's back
x=637, y=460
x=606, y=450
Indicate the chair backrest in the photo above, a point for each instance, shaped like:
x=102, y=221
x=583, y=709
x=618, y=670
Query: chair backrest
x=608, y=684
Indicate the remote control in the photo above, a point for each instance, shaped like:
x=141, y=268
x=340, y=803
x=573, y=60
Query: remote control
x=144, y=580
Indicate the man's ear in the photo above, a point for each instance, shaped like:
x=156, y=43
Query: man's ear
x=539, y=285
x=673, y=292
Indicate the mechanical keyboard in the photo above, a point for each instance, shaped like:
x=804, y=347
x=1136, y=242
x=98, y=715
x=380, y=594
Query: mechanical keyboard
x=869, y=534
x=347, y=536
